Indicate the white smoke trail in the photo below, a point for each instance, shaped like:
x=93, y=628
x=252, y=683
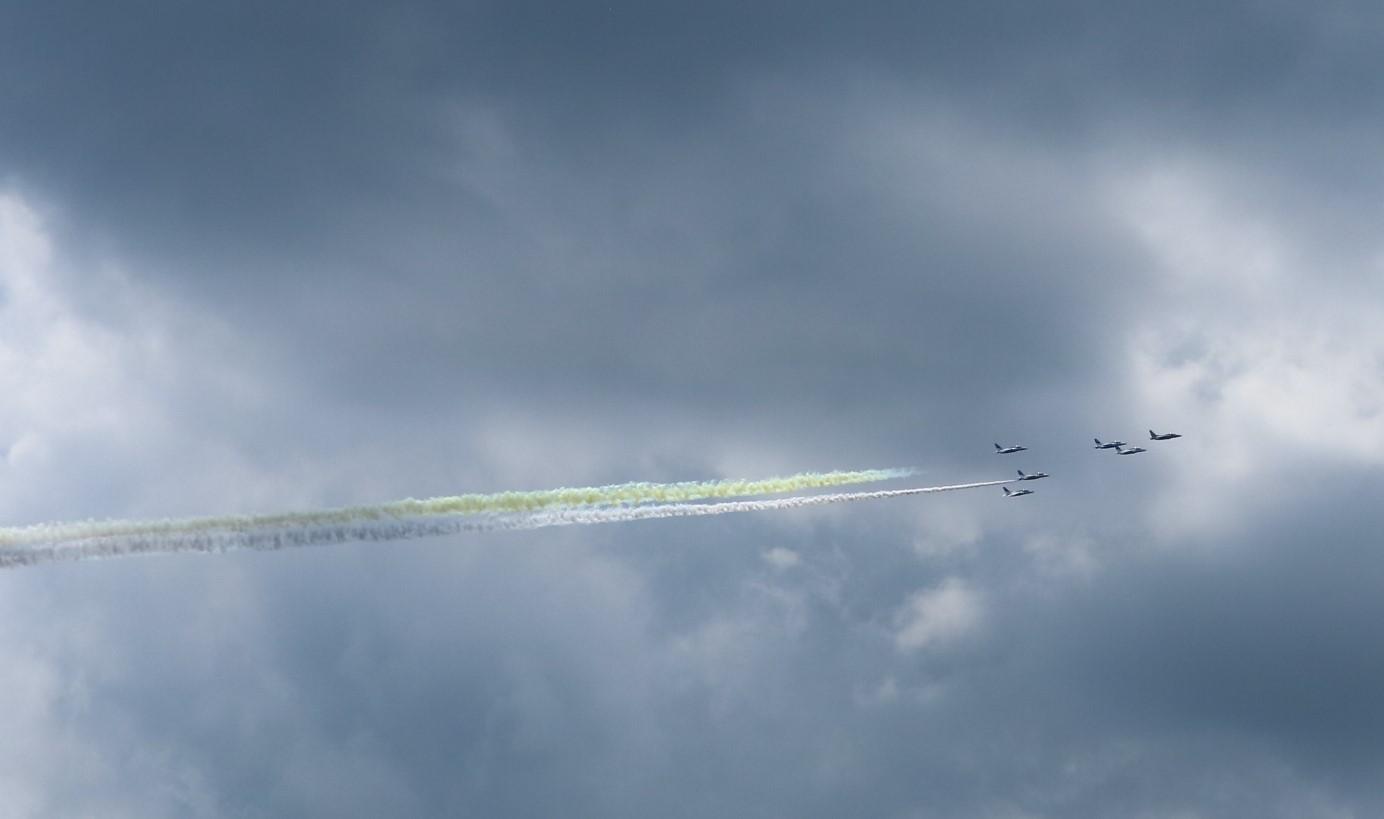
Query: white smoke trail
x=317, y=534
x=472, y=504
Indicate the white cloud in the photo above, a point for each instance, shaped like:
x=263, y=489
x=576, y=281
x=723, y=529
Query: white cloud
x=116, y=400
x=1266, y=329
x=1064, y=555
x=943, y=529
x=1202, y=229
x=782, y=558
x=1264, y=344
x=938, y=616
x=66, y=383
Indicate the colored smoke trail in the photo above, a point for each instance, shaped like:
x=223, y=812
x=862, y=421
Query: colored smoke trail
x=318, y=534
x=472, y=504
x=568, y=517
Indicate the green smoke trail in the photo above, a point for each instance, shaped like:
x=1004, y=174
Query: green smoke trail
x=472, y=504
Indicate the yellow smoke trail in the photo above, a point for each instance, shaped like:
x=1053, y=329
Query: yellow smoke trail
x=472, y=504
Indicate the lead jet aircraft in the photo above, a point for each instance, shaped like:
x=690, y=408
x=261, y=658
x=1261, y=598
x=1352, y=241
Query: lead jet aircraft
x=1035, y=476
x=1007, y=450
x=1167, y=436
x=1134, y=450
x=1016, y=493
x=1108, y=444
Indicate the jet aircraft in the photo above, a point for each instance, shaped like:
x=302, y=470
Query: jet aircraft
x=1035, y=476
x=1166, y=436
x=1108, y=444
x=1134, y=450
x=1016, y=493
x=1006, y=450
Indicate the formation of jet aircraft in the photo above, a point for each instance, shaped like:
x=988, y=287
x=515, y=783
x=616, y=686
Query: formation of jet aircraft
x=1120, y=447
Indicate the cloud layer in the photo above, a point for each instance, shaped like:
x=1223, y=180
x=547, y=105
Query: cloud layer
x=258, y=258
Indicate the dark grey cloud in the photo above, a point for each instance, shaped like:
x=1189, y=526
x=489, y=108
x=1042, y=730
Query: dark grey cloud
x=527, y=671
x=1269, y=641
x=314, y=154
x=299, y=257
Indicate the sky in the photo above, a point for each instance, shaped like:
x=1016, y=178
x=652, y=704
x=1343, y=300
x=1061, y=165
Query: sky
x=260, y=257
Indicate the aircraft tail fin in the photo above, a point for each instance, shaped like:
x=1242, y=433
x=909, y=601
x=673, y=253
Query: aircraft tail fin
x=1097, y=440
x=1006, y=491
x=1152, y=434
x=998, y=447
x=1020, y=471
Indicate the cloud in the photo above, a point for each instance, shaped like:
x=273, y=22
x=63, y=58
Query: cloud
x=781, y=558
x=1266, y=355
x=64, y=379
x=938, y=616
x=258, y=257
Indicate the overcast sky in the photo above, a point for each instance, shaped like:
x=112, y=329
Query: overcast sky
x=263, y=257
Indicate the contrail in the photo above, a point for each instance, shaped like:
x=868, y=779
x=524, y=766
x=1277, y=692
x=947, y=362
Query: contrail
x=472, y=504
x=381, y=529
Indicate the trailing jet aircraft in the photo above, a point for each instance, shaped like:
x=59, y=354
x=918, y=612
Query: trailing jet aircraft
x=1035, y=476
x=1134, y=450
x=1006, y=450
x=1166, y=436
x=1016, y=493
x=1108, y=444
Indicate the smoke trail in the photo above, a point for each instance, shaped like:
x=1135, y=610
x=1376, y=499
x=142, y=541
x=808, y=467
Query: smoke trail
x=472, y=504
x=318, y=534
x=568, y=517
